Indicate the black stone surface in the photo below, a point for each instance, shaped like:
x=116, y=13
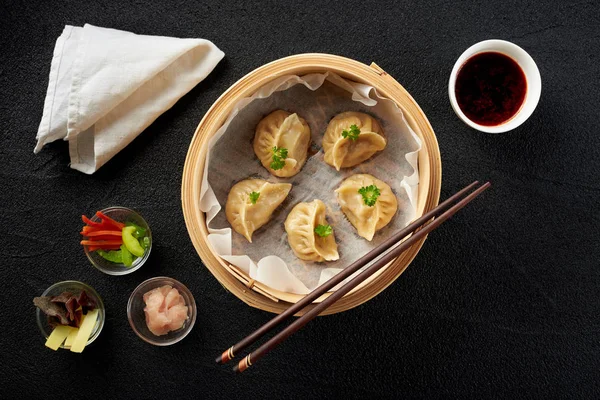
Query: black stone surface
x=502, y=301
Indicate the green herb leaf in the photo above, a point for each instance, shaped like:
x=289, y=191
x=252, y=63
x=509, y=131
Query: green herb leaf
x=323, y=230
x=369, y=194
x=279, y=156
x=351, y=134
x=254, y=197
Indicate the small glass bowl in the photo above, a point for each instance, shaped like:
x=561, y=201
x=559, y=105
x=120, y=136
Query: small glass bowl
x=120, y=214
x=72, y=286
x=137, y=316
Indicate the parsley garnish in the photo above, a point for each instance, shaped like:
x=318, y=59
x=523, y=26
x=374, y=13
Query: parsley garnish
x=352, y=134
x=323, y=230
x=369, y=194
x=279, y=156
x=253, y=197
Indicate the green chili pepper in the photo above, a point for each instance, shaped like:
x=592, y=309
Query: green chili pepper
x=126, y=256
x=145, y=242
x=139, y=231
x=114, y=256
x=131, y=242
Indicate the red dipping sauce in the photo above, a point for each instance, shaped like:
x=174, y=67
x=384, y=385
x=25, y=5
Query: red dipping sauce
x=490, y=88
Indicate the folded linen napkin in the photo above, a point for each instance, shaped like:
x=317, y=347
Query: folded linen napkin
x=106, y=86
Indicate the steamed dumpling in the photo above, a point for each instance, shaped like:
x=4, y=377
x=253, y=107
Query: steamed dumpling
x=341, y=152
x=244, y=215
x=300, y=226
x=282, y=130
x=366, y=219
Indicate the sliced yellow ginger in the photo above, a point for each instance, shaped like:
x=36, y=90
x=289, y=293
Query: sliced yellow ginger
x=58, y=336
x=85, y=330
x=71, y=337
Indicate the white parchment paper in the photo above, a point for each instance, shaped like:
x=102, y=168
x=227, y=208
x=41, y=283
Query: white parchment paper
x=316, y=98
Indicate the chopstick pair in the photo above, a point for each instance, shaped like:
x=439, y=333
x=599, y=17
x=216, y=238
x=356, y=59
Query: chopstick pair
x=419, y=229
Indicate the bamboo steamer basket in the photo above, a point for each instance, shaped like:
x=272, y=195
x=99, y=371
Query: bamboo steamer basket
x=236, y=281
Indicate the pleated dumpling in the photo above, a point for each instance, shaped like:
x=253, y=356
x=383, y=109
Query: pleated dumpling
x=251, y=203
x=363, y=137
x=309, y=235
x=368, y=202
x=281, y=143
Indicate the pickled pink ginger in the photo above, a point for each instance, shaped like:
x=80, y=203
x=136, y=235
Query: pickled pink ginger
x=165, y=310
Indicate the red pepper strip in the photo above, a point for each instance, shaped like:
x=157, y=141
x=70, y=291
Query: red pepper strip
x=101, y=242
x=91, y=229
x=104, y=233
x=108, y=219
x=89, y=222
x=103, y=238
x=109, y=246
x=104, y=226
x=103, y=247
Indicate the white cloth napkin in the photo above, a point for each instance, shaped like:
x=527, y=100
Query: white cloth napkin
x=106, y=86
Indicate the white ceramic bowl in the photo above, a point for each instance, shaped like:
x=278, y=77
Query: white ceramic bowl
x=532, y=75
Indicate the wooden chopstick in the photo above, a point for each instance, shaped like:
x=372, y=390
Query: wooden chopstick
x=228, y=354
x=389, y=256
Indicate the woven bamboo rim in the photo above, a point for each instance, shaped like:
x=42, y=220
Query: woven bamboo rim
x=254, y=293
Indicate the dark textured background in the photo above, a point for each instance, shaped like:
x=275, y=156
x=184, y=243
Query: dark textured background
x=502, y=301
